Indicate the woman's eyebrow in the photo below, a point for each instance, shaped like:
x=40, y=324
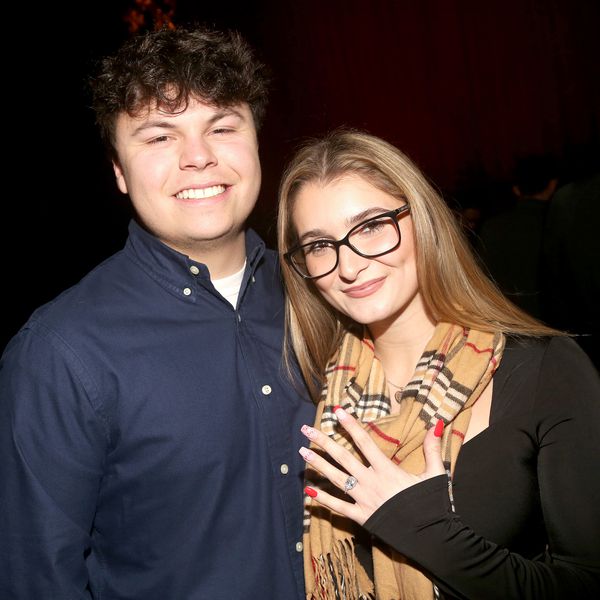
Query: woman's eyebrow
x=314, y=234
x=350, y=221
x=365, y=214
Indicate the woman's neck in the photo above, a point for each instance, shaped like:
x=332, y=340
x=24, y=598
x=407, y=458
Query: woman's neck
x=399, y=345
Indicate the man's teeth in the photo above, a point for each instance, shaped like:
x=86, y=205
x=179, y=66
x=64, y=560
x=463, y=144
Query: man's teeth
x=199, y=193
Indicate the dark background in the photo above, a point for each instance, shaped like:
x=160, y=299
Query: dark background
x=464, y=87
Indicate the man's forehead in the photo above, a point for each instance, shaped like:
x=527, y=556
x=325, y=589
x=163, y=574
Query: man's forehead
x=157, y=108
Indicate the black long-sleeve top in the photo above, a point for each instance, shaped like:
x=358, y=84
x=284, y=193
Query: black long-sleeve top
x=526, y=489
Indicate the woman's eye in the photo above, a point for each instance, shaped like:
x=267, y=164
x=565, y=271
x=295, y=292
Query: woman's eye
x=317, y=248
x=371, y=227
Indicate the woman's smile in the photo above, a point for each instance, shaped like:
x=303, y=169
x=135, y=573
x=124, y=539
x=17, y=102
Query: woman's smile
x=365, y=289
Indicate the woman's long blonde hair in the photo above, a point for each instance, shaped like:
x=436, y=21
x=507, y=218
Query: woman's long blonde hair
x=453, y=287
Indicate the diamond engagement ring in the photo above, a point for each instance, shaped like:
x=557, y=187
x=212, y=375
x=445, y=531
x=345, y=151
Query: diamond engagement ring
x=350, y=483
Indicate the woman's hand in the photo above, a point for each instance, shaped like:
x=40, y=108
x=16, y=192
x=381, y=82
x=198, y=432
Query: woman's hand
x=375, y=484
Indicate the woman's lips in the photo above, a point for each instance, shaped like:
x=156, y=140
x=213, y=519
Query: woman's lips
x=365, y=289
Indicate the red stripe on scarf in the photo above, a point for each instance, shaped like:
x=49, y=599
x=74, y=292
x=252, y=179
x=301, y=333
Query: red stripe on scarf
x=490, y=350
x=343, y=368
x=471, y=345
x=382, y=435
x=458, y=434
x=369, y=345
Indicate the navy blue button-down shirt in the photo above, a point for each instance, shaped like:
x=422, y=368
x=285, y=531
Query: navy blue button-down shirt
x=149, y=436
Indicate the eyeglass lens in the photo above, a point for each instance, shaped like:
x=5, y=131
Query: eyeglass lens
x=372, y=238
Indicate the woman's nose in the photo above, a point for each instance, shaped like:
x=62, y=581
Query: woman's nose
x=350, y=264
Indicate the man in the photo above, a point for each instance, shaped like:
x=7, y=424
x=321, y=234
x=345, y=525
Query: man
x=148, y=432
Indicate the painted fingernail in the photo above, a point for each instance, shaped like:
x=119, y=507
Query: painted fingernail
x=310, y=492
x=339, y=411
x=308, y=431
x=306, y=453
x=439, y=428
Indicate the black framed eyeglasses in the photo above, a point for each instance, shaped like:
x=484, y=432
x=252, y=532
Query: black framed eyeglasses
x=374, y=237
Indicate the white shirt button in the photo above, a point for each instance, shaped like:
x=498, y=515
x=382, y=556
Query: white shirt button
x=187, y=291
x=194, y=270
x=299, y=547
x=266, y=390
x=284, y=469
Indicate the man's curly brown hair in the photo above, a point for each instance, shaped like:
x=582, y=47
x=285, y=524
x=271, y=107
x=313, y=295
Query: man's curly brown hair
x=166, y=68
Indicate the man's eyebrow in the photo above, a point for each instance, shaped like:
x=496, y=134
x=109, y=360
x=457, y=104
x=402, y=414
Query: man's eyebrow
x=161, y=123
x=226, y=112
x=158, y=123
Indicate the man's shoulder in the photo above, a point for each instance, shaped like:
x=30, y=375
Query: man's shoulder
x=270, y=272
x=59, y=327
x=271, y=259
x=267, y=259
x=76, y=302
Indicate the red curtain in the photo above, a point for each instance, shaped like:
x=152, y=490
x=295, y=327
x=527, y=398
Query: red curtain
x=463, y=87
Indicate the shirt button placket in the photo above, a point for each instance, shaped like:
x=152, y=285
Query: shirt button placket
x=194, y=270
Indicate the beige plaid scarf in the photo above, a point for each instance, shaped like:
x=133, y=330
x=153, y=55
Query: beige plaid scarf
x=455, y=368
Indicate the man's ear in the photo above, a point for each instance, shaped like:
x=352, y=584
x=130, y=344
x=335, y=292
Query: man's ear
x=121, y=183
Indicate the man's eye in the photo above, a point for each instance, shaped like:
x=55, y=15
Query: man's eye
x=158, y=139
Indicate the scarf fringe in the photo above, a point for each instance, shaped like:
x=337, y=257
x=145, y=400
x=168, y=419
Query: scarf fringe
x=336, y=575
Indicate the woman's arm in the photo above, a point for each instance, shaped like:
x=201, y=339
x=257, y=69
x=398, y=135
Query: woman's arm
x=418, y=521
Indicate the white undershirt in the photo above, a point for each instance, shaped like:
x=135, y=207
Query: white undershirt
x=229, y=287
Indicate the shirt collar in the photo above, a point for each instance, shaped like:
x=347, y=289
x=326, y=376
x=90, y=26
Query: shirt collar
x=176, y=270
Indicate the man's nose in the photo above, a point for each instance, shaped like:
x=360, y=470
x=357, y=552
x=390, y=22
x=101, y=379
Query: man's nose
x=197, y=153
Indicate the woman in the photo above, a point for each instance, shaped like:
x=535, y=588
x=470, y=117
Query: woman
x=390, y=315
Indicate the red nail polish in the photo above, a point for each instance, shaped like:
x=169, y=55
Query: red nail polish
x=310, y=492
x=336, y=407
x=439, y=428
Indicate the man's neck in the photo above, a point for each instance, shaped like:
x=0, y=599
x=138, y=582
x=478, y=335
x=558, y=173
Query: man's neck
x=222, y=257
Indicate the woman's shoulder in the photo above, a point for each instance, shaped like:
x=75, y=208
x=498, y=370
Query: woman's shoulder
x=540, y=349
x=548, y=367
